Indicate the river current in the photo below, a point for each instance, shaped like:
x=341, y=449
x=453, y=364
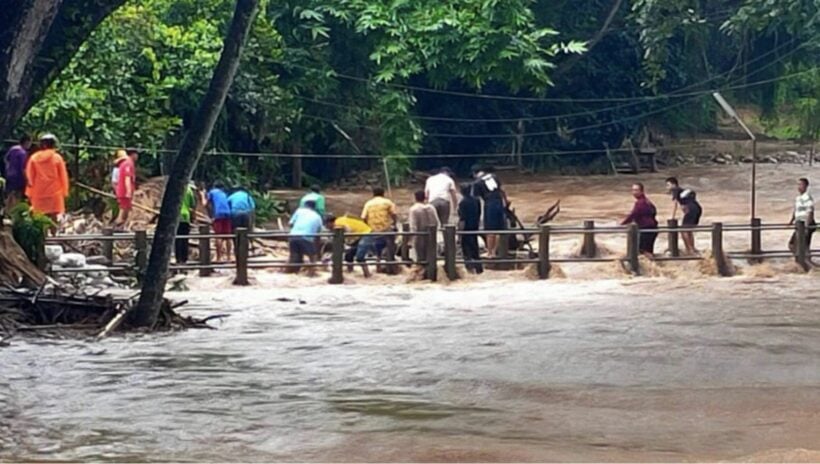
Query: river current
x=650, y=369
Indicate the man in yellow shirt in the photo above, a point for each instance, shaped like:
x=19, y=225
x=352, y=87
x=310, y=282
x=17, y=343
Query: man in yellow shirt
x=351, y=225
x=380, y=214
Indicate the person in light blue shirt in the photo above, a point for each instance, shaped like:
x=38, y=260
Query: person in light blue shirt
x=242, y=208
x=304, y=225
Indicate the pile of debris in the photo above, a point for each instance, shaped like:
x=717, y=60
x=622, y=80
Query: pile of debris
x=51, y=309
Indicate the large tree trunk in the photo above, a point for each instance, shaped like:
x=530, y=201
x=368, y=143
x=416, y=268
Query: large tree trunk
x=156, y=275
x=38, y=38
x=15, y=267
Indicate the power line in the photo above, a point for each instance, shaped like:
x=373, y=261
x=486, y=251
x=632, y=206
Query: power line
x=591, y=126
x=431, y=155
x=670, y=94
x=376, y=157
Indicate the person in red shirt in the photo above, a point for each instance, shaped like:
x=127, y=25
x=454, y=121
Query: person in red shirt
x=643, y=215
x=126, y=186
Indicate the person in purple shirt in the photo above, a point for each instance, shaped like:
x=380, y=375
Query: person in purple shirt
x=643, y=215
x=16, y=159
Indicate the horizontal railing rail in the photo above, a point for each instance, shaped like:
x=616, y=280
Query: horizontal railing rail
x=397, y=253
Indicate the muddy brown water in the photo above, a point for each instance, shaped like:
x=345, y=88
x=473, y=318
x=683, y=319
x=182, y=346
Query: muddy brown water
x=648, y=370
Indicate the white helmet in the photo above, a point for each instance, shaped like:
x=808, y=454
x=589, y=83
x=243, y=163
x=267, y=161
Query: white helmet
x=48, y=136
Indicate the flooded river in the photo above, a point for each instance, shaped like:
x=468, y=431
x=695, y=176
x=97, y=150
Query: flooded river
x=648, y=369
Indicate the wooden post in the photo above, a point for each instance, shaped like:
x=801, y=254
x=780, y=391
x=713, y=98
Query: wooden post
x=588, y=247
x=205, y=250
x=108, y=246
x=801, y=252
x=503, y=250
x=338, y=248
x=450, y=252
x=241, y=257
x=405, y=243
x=674, y=250
x=717, y=249
x=141, y=246
x=757, y=248
x=390, y=249
x=632, y=239
x=432, y=254
x=544, y=252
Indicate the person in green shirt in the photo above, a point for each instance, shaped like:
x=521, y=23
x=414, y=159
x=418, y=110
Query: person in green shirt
x=187, y=211
x=315, y=196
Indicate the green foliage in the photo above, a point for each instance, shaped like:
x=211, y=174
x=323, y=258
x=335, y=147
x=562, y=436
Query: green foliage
x=29, y=230
x=267, y=206
x=339, y=78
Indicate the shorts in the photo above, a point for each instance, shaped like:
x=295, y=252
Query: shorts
x=222, y=226
x=692, y=215
x=125, y=203
x=646, y=242
x=241, y=221
x=494, y=215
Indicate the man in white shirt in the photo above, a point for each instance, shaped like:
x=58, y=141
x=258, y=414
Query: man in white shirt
x=441, y=192
x=803, y=211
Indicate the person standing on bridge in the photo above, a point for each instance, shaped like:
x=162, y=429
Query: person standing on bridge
x=186, y=213
x=469, y=220
x=692, y=211
x=16, y=159
x=242, y=209
x=803, y=211
x=47, y=178
x=488, y=187
x=315, y=195
x=380, y=214
x=643, y=215
x=422, y=216
x=305, y=224
x=220, y=211
x=440, y=191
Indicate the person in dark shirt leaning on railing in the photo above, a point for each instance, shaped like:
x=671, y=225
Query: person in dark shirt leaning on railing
x=643, y=215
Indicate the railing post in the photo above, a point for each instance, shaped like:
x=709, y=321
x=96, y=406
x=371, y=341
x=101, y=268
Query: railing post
x=801, y=252
x=405, y=243
x=390, y=248
x=588, y=247
x=337, y=263
x=241, y=257
x=450, y=252
x=674, y=250
x=502, y=252
x=108, y=246
x=632, y=239
x=141, y=257
x=432, y=254
x=757, y=248
x=544, y=252
x=717, y=249
x=205, y=250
